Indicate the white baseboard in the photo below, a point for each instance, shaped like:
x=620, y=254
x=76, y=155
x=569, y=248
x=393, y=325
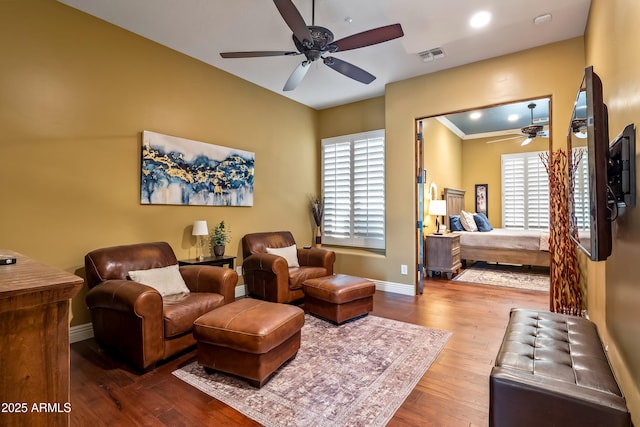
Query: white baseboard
x=241, y=291
x=80, y=332
x=393, y=287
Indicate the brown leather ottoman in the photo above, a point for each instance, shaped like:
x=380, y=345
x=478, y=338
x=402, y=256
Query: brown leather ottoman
x=248, y=338
x=339, y=297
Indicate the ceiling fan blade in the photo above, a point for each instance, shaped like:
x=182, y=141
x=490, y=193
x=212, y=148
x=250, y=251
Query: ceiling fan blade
x=526, y=141
x=349, y=70
x=292, y=17
x=296, y=77
x=258, y=53
x=370, y=37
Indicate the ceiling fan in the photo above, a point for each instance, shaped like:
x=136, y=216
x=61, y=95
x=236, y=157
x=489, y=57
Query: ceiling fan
x=315, y=42
x=532, y=131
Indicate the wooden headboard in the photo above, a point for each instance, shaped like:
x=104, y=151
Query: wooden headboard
x=454, y=199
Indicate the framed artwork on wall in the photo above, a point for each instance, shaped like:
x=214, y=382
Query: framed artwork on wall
x=178, y=171
x=482, y=193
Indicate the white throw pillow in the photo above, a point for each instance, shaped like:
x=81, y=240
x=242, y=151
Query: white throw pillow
x=166, y=280
x=468, y=223
x=290, y=253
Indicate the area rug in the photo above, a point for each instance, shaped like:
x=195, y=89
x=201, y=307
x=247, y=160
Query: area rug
x=512, y=276
x=356, y=374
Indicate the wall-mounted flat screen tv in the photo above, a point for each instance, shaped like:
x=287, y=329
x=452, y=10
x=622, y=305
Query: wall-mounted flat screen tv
x=588, y=145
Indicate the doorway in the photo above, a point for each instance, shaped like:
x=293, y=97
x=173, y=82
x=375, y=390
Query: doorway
x=463, y=149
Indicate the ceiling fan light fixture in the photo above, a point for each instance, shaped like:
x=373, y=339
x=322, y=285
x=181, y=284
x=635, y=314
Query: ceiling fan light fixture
x=579, y=128
x=532, y=130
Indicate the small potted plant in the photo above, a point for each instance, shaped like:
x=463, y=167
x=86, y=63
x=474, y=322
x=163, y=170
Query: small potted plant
x=220, y=236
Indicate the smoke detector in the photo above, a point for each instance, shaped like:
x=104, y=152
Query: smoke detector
x=432, y=54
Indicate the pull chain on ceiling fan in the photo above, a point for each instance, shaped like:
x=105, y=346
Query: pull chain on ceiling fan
x=314, y=42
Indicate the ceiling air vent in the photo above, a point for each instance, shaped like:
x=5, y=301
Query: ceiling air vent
x=432, y=54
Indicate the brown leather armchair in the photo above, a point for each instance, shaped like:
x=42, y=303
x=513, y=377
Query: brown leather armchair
x=268, y=276
x=133, y=320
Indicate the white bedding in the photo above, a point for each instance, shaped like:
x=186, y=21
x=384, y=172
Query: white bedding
x=534, y=240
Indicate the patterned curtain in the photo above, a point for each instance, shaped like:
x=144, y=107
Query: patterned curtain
x=565, y=293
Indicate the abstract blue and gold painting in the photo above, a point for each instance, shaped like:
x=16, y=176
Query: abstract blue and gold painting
x=178, y=171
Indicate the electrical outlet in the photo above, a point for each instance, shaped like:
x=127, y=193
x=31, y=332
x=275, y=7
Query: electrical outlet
x=239, y=270
x=404, y=269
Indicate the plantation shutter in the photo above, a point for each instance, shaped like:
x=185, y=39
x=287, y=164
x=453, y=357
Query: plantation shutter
x=537, y=192
x=353, y=177
x=525, y=192
x=513, y=203
x=336, y=190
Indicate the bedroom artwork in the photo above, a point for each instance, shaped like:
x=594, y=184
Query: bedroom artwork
x=481, y=198
x=178, y=171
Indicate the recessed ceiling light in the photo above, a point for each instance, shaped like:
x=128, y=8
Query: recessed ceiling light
x=348, y=20
x=480, y=19
x=475, y=115
x=513, y=117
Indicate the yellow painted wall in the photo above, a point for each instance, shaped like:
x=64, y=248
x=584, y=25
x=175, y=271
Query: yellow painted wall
x=554, y=70
x=348, y=119
x=443, y=162
x=351, y=118
x=75, y=94
x=611, y=42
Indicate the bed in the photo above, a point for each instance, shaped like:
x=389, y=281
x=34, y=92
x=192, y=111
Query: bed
x=527, y=247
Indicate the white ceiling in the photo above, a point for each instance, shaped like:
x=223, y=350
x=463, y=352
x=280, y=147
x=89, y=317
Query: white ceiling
x=204, y=28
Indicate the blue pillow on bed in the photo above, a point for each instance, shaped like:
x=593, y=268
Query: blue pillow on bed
x=454, y=223
x=482, y=222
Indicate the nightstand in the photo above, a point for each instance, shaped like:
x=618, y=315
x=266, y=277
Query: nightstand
x=219, y=261
x=443, y=253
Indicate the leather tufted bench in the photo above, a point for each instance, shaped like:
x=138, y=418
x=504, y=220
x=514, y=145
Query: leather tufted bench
x=338, y=297
x=248, y=338
x=551, y=370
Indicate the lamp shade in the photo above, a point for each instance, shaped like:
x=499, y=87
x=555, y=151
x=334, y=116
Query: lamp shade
x=438, y=207
x=200, y=228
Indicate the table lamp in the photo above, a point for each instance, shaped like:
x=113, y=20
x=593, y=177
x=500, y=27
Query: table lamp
x=438, y=208
x=200, y=229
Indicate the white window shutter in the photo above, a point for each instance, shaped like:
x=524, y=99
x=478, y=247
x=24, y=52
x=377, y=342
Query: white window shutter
x=525, y=192
x=353, y=186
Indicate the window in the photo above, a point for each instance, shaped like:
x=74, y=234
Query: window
x=525, y=192
x=353, y=177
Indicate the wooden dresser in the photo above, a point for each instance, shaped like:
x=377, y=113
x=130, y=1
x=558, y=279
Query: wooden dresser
x=443, y=253
x=34, y=342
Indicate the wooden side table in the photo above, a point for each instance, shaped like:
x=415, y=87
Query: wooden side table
x=34, y=342
x=443, y=254
x=219, y=261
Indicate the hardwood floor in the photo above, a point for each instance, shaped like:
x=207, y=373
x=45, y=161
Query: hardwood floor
x=453, y=392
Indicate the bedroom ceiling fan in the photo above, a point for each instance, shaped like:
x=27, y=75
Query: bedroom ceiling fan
x=532, y=131
x=316, y=42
